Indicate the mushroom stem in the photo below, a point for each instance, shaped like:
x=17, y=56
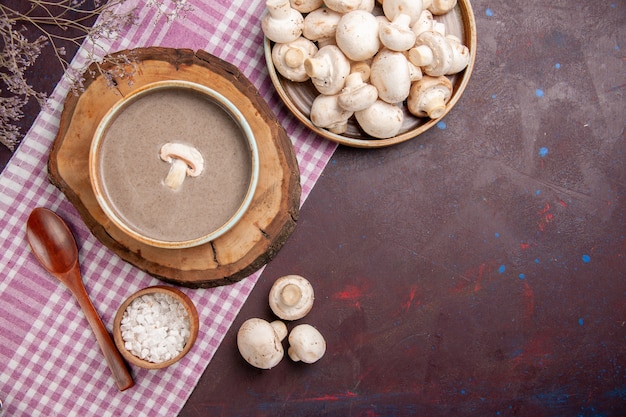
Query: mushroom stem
x=294, y=57
x=184, y=159
x=421, y=55
x=435, y=107
x=291, y=294
x=279, y=9
x=317, y=68
x=176, y=174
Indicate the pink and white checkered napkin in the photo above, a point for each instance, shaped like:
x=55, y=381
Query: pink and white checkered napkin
x=50, y=362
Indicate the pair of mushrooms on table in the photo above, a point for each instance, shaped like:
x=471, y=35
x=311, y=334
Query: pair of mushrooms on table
x=260, y=342
x=365, y=61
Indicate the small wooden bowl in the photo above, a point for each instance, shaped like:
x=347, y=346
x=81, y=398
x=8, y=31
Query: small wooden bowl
x=193, y=321
x=298, y=96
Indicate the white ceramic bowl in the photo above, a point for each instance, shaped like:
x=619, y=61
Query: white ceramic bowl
x=127, y=173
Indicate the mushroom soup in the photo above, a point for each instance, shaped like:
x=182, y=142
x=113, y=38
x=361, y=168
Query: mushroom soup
x=133, y=172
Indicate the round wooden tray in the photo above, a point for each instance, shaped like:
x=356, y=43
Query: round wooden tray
x=265, y=226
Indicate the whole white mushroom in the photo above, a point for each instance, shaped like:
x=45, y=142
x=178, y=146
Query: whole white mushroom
x=259, y=342
x=357, y=35
x=306, y=344
x=380, y=120
x=291, y=297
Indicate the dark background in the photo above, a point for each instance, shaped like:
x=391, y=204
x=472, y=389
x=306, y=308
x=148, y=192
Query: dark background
x=477, y=270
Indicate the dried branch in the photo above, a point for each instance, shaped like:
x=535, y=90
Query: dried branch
x=55, y=23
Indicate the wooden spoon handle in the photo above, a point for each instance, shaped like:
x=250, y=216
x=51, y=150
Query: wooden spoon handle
x=114, y=359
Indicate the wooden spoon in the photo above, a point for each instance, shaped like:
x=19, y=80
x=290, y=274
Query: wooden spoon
x=54, y=247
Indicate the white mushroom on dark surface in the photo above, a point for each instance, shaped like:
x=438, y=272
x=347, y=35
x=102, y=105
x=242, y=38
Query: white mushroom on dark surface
x=185, y=161
x=259, y=342
x=291, y=297
x=306, y=344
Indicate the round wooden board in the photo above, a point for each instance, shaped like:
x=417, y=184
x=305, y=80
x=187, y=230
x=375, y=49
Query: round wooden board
x=265, y=226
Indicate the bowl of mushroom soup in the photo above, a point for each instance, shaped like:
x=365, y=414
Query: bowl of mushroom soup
x=174, y=164
x=368, y=73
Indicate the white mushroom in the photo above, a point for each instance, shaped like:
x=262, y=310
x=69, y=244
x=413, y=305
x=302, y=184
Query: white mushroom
x=280, y=22
x=306, y=344
x=392, y=75
x=363, y=68
x=432, y=52
x=343, y=6
x=397, y=34
x=328, y=114
x=423, y=23
x=357, y=35
x=320, y=26
x=291, y=297
x=393, y=8
x=357, y=95
x=328, y=69
x=288, y=58
x=184, y=159
x=367, y=5
x=460, y=55
x=440, y=7
x=381, y=120
x=429, y=96
x=306, y=6
x=259, y=342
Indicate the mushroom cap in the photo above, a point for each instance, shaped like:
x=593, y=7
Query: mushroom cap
x=393, y=8
x=259, y=344
x=424, y=23
x=391, y=75
x=429, y=96
x=397, y=35
x=357, y=35
x=440, y=7
x=306, y=6
x=442, y=55
x=306, y=344
x=288, y=58
x=381, y=120
x=188, y=153
x=321, y=24
x=291, y=297
x=343, y=6
x=357, y=95
x=328, y=69
x=460, y=55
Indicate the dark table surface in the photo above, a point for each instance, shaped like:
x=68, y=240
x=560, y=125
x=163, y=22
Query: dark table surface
x=479, y=269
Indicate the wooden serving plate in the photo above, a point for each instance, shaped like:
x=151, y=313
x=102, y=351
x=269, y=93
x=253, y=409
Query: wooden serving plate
x=264, y=227
x=298, y=96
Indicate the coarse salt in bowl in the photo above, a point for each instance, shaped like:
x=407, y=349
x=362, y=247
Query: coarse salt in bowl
x=155, y=327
